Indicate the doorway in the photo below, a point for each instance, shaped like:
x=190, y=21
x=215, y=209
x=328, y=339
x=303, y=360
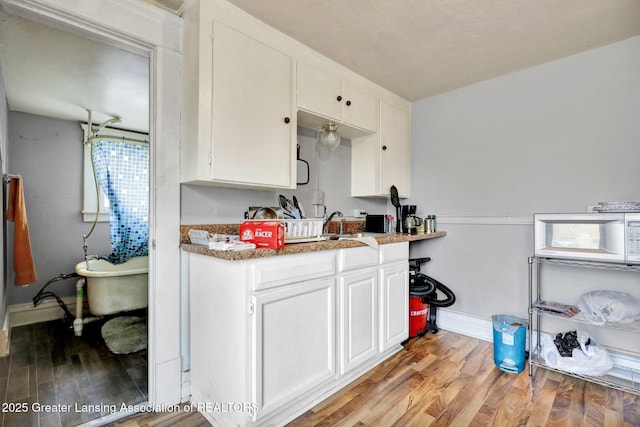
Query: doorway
x=136, y=27
x=45, y=148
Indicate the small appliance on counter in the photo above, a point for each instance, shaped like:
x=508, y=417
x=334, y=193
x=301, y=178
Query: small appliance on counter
x=406, y=220
x=376, y=224
x=409, y=219
x=412, y=224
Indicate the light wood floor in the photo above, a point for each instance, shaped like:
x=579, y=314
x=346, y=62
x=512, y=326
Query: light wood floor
x=450, y=380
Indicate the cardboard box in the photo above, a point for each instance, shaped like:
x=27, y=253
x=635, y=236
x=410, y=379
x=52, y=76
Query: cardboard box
x=264, y=234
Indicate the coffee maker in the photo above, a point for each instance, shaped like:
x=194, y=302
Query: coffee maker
x=409, y=219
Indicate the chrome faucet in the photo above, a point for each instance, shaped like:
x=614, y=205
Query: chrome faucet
x=325, y=227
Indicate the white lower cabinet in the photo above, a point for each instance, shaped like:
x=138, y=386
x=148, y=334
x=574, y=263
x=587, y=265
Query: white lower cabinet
x=394, y=305
x=271, y=337
x=294, y=347
x=358, y=318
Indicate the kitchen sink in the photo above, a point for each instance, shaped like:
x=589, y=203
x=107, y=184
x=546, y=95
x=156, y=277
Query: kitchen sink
x=333, y=236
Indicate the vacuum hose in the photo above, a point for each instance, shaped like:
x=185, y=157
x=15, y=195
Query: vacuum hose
x=424, y=286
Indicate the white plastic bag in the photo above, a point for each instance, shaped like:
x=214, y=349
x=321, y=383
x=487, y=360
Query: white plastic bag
x=588, y=359
x=600, y=307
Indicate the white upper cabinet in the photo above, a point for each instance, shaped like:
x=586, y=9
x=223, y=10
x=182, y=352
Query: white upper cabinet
x=246, y=87
x=239, y=123
x=252, y=112
x=360, y=108
x=328, y=96
x=395, y=147
x=319, y=92
x=381, y=160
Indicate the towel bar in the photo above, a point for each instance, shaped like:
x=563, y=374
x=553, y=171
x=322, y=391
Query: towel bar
x=9, y=176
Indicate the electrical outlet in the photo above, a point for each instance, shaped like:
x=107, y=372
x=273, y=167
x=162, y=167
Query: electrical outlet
x=358, y=213
x=318, y=197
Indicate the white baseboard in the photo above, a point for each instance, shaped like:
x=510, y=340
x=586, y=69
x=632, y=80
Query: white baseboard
x=465, y=324
x=625, y=361
x=26, y=314
x=186, y=387
x=624, y=366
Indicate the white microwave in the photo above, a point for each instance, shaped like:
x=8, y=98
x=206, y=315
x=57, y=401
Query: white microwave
x=608, y=237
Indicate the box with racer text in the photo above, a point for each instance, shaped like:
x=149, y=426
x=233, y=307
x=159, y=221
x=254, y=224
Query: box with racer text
x=264, y=234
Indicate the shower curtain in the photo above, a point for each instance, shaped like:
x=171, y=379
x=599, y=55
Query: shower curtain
x=122, y=169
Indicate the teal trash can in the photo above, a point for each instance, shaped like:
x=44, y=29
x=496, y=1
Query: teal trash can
x=509, y=342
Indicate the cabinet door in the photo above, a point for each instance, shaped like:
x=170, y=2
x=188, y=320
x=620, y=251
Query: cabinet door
x=293, y=342
x=394, y=149
x=358, y=318
x=253, y=129
x=394, y=305
x=325, y=95
x=319, y=92
x=360, y=109
x=381, y=160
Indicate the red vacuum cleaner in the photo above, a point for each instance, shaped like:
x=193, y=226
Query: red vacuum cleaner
x=423, y=299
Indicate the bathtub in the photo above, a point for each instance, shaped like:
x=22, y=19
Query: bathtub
x=115, y=288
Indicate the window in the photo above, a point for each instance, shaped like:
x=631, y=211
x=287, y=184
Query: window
x=90, y=200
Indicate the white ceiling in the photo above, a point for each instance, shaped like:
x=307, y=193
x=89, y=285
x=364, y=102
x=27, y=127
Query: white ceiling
x=58, y=74
x=415, y=48
x=419, y=48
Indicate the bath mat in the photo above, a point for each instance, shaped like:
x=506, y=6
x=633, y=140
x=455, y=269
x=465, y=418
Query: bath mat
x=125, y=334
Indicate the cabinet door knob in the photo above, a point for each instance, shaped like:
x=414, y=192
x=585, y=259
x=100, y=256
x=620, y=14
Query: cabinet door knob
x=348, y=103
x=384, y=147
x=287, y=119
x=339, y=98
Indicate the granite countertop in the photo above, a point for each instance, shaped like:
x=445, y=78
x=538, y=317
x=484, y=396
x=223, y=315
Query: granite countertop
x=292, y=248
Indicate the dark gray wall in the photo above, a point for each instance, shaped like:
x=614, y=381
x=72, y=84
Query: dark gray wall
x=48, y=154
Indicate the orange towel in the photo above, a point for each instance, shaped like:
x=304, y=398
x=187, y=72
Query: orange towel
x=22, y=256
